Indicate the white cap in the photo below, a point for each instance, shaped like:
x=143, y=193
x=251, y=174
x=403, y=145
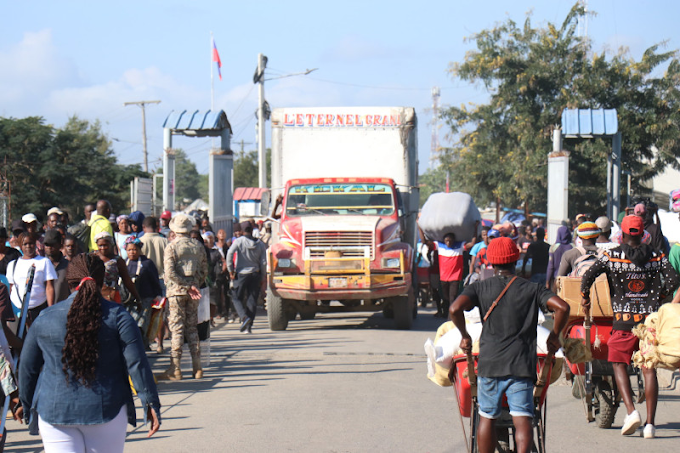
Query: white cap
x=29, y=218
x=54, y=210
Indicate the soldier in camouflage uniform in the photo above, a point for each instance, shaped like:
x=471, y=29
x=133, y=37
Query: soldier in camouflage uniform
x=186, y=266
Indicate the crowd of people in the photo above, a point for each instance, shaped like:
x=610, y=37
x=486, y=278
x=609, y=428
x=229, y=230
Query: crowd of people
x=631, y=252
x=108, y=280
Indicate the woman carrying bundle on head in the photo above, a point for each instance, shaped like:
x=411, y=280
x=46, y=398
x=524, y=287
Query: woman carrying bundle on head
x=85, y=347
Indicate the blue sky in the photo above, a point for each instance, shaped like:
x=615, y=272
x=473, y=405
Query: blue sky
x=86, y=58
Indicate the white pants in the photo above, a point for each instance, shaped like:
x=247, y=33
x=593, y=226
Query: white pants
x=104, y=438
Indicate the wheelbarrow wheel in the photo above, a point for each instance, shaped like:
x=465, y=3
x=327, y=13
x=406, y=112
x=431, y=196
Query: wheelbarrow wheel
x=503, y=440
x=605, y=409
x=474, y=424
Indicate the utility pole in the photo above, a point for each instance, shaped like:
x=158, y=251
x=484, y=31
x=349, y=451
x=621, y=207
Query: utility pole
x=261, y=154
x=142, y=104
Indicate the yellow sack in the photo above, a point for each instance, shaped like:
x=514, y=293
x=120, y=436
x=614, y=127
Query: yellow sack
x=668, y=336
x=658, y=339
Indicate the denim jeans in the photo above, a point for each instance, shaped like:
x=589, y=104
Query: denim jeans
x=519, y=392
x=245, y=293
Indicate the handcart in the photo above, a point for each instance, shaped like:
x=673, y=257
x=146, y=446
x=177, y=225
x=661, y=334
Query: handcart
x=594, y=382
x=464, y=384
x=424, y=292
x=424, y=287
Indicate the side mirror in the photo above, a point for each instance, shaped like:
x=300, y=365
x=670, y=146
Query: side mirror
x=264, y=204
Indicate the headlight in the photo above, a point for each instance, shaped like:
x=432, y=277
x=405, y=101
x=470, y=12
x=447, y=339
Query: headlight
x=392, y=262
x=284, y=262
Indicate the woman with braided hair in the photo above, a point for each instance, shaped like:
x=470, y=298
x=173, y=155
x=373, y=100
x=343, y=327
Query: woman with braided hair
x=83, y=350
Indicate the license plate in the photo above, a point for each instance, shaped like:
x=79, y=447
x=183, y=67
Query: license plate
x=337, y=282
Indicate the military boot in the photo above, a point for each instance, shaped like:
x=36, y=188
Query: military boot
x=173, y=373
x=198, y=370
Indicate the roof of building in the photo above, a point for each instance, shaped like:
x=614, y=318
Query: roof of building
x=249, y=193
x=197, y=120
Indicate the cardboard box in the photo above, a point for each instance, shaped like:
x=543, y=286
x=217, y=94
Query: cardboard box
x=569, y=289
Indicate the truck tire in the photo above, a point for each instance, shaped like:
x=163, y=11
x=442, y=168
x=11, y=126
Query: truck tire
x=276, y=312
x=403, y=311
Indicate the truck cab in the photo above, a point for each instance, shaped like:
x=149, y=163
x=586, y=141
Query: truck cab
x=341, y=239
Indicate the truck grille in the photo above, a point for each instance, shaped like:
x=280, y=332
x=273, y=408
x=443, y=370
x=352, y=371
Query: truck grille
x=350, y=243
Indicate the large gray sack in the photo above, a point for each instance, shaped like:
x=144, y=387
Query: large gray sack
x=445, y=213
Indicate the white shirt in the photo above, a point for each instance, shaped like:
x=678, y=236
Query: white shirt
x=44, y=271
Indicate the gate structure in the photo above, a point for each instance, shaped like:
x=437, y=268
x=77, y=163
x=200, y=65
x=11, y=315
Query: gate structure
x=220, y=183
x=582, y=123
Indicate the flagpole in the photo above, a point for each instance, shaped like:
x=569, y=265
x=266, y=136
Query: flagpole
x=212, y=77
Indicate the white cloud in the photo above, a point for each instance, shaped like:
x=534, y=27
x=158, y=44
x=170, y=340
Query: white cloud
x=30, y=69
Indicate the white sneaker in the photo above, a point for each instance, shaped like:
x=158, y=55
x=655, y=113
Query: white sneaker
x=649, y=432
x=631, y=423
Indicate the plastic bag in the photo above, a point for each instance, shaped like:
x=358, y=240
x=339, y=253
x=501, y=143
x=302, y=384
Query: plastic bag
x=156, y=320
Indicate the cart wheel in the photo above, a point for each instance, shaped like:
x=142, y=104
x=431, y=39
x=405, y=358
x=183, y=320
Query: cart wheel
x=474, y=423
x=503, y=440
x=604, y=410
x=539, y=428
x=424, y=297
x=641, y=387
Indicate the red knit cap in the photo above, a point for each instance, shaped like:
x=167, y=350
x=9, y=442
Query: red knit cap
x=502, y=251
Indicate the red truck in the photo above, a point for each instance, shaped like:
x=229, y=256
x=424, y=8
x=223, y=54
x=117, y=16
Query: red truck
x=347, y=228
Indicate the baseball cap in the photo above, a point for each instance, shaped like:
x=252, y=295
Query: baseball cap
x=166, y=215
x=17, y=226
x=493, y=234
x=633, y=225
x=54, y=210
x=52, y=237
x=29, y=218
x=640, y=209
x=604, y=224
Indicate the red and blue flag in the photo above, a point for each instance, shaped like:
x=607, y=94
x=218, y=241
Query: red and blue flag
x=216, y=59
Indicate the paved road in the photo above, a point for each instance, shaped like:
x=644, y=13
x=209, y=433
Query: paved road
x=340, y=383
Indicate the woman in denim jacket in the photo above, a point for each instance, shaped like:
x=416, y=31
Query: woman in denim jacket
x=74, y=369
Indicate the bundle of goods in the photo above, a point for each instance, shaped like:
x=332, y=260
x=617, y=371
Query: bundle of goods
x=569, y=289
x=446, y=346
x=445, y=213
x=659, y=339
x=675, y=200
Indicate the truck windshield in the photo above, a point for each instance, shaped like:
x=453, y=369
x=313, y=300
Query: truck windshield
x=340, y=199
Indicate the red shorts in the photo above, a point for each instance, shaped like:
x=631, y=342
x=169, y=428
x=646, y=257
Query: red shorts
x=622, y=344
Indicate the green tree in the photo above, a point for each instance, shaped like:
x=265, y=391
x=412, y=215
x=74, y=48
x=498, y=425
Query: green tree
x=65, y=167
x=246, y=169
x=203, y=189
x=187, y=179
x=433, y=180
x=531, y=75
